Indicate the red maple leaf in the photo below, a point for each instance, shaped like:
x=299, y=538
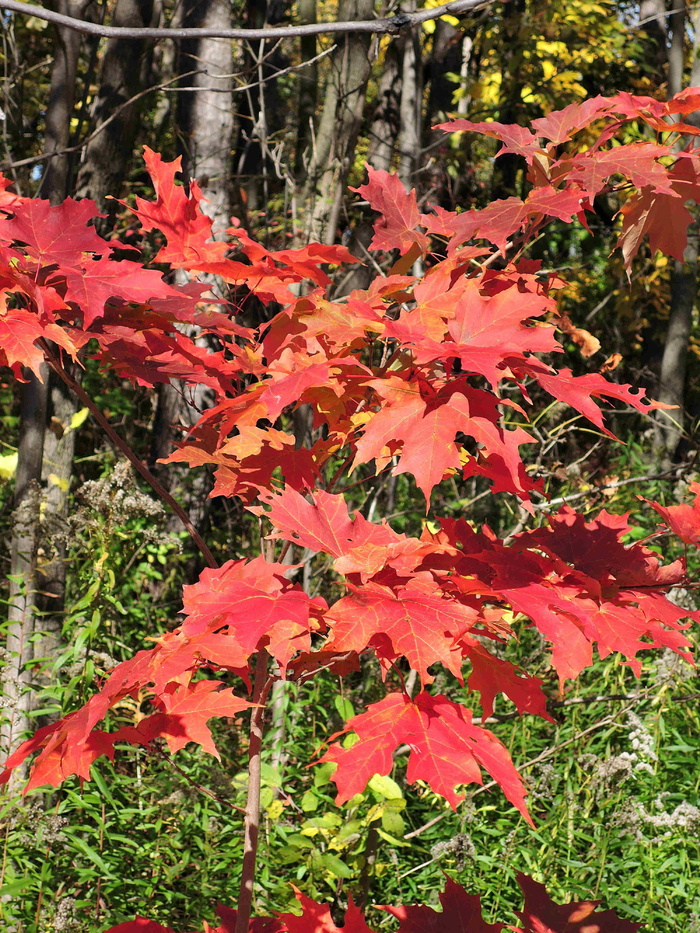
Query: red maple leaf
x=461, y=913
x=446, y=750
x=316, y=918
x=636, y=161
x=186, y=711
x=178, y=215
x=399, y=210
x=516, y=139
x=414, y=621
x=95, y=281
x=665, y=218
x=140, y=925
x=558, y=125
x=542, y=915
x=55, y=234
x=684, y=519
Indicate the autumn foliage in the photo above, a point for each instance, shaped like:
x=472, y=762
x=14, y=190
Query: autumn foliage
x=425, y=374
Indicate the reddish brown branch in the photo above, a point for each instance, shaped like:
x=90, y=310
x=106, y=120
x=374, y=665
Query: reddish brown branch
x=252, y=817
x=140, y=467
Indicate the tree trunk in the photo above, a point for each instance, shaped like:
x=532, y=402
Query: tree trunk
x=672, y=375
x=32, y=513
x=308, y=86
x=205, y=116
x=125, y=71
x=336, y=134
x=56, y=182
x=411, y=100
x=386, y=121
x=652, y=17
x=17, y=672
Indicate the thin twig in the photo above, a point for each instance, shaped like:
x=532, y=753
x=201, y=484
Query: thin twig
x=34, y=160
x=200, y=787
x=392, y=25
x=563, y=500
x=118, y=442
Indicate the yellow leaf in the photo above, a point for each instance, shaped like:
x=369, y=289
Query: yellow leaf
x=78, y=419
x=8, y=465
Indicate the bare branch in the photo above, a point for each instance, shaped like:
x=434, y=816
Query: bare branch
x=392, y=25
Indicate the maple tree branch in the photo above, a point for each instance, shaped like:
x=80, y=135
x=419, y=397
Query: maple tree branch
x=562, y=500
x=152, y=747
x=390, y=25
x=138, y=465
x=252, y=810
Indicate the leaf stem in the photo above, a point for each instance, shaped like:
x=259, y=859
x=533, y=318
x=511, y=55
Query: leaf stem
x=252, y=816
x=140, y=467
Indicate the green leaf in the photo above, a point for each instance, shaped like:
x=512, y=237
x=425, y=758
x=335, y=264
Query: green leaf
x=344, y=708
x=336, y=866
x=384, y=786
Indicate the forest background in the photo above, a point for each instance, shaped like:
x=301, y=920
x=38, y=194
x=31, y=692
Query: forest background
x=275, y=131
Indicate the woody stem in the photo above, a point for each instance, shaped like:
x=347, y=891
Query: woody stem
x=140, y=467
x=252, y=814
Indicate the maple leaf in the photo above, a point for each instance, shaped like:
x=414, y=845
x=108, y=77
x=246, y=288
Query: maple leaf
x=516, y=139
x=321, y=522
x=95, y=281
x=485, y=330
x=636, y=161
x=491, y=675
x=558, y=125
x=249, y=600
x=186, y=711
x=665, y=218
x=684, y=519
x=55, y=234
x=445, y=749
x=399, y=209
x=140, y=925
x=316, y=918
x=579, y=391
x=496, y=223
x=414, y=621
x=19, y=331
x=178, y=215
x=423, y=424
x=461, y=913
x=542, y=915
x=9, y=201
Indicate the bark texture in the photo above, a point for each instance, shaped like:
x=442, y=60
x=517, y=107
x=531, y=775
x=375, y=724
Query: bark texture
x=125, y=71
x=17, y=679
x=56, y=181
x=205, y=115
x=338, y=128
x=669, y=426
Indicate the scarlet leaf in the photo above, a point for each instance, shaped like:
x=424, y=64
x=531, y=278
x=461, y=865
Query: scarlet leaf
x=186, y=713
x=178, y=216
x=445, y=749
x=542, y=915
x=683, y=520
x=461, y=913
x=399, y=210
x=414, y=621
x=55, y=234
x=316, y=918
